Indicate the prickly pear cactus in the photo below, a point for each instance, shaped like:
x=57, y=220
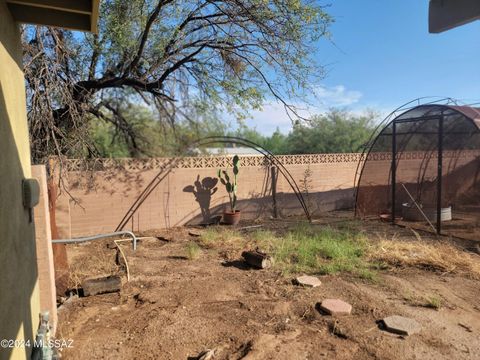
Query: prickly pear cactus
x=230, y=183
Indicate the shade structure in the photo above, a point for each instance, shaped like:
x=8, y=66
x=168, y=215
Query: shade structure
x=423, y=166
x=79, y=15
x=444, y=15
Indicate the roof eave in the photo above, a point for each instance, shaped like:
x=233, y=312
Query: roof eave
x=80, y=15
x=444, y=15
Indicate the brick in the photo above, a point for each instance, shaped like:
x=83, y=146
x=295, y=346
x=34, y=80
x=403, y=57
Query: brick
x=336, y=307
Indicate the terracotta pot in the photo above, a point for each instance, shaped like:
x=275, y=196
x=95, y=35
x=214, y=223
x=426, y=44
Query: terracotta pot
x=230, y=218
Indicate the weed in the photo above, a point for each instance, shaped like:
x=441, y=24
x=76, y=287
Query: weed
x=264, y=239
x=193, y=250
x=322, y=250
x=305, y=248
x=216, y=236
x=409, y=297
x=434, y=302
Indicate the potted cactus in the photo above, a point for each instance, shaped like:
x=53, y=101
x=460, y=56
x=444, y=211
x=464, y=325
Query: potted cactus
x=231, y=217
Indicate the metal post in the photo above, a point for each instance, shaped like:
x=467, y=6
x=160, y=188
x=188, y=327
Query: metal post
x=394, y=167
x=273, y=170
x=439, y=174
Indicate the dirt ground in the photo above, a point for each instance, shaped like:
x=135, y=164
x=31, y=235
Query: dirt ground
x=175, y=308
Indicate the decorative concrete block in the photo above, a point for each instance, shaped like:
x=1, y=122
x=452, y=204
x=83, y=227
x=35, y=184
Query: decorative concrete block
x=401, y=325
x=308, y=281
x=336, y=307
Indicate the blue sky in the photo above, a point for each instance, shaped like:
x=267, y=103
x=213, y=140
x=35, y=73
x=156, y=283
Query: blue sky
x=383, y=56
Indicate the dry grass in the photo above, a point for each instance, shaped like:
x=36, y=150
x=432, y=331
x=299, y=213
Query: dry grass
x=346, y=247
x=100, y=262
x=438, y=256
x=220, y=236
x=434, y=302
x=192, y=250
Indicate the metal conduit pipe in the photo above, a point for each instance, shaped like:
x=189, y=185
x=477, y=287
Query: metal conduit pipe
x=97, y=237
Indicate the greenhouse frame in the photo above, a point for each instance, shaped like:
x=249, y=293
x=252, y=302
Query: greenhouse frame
x=422, y=170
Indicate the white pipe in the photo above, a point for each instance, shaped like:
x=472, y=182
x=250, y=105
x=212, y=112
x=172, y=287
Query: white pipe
x=96, y=237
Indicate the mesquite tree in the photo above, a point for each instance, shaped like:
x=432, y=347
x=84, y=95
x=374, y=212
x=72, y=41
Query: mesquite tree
x=171, y=55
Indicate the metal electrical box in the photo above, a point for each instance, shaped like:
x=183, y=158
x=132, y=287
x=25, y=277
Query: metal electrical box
x=31, y=193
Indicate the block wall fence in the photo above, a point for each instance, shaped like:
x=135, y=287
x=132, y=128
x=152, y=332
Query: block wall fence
x=101, y=192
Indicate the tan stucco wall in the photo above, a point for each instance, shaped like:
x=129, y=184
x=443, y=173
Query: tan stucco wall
x=19, y=295
x=43, y=239
x=103, y=197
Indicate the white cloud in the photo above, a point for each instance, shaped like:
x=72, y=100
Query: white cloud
x=337, y=96
x=273, y=114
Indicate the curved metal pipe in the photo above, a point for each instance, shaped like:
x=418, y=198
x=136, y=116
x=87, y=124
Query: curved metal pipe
x=97, y=237
x=381, y=126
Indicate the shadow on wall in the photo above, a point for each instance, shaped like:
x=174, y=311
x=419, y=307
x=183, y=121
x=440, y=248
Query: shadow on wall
x=287, y=205
x=18, y=269
x=190, y=193
x=203, y=191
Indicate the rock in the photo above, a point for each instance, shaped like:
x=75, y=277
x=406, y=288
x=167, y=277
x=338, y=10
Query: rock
x=309, y=281
x=206, y=355
x=336, y=307
x=401, y=325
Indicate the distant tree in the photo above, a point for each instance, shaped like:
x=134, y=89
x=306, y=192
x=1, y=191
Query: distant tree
x=170, y=55
x=151, y=135
x=249, y=133
x=276, y=143
x=337, y=131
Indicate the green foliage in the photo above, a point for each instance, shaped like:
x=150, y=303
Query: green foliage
x=176, y=57
x=337, y=131
x=231, y=185
x=276, y=143
x=319, y=250
x=193, y=250
x=106, y=142
x=306, y=248
x=151, y=135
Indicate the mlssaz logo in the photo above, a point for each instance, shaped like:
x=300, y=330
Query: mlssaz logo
x=54, y=343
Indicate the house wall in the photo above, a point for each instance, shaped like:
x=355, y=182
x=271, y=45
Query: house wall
x=19, y=295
